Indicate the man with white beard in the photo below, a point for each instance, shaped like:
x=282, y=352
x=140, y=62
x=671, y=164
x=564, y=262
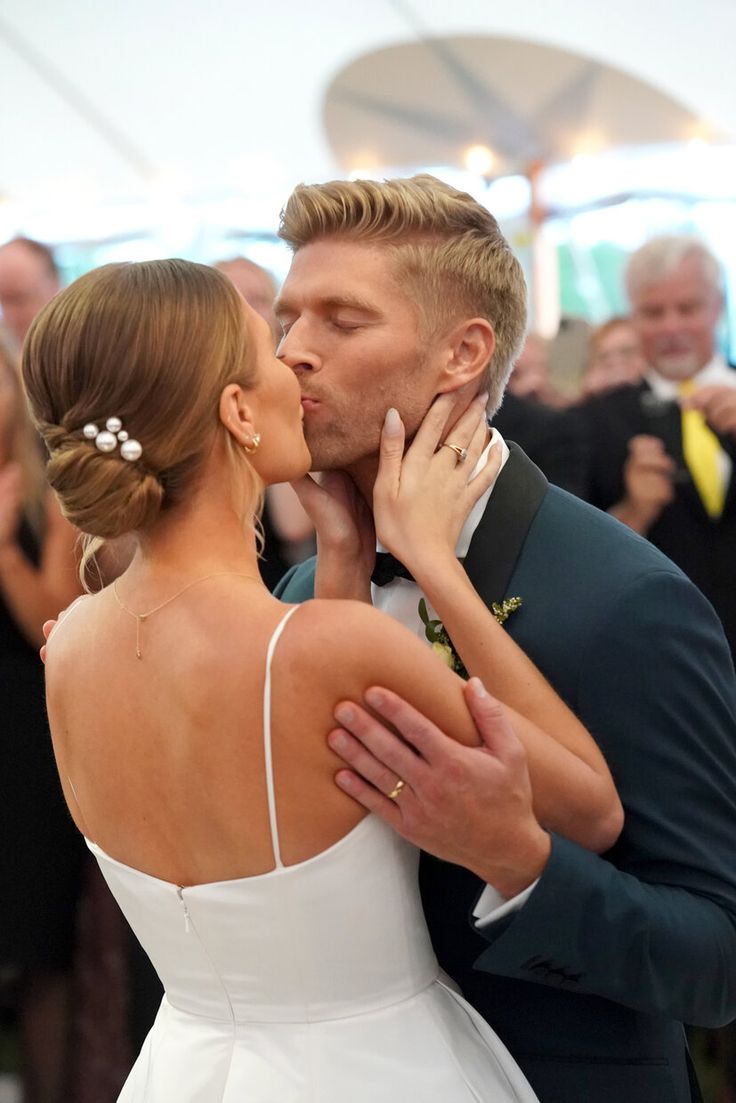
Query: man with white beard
x=663, y=450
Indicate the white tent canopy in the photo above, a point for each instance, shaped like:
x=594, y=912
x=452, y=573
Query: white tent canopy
x=132, y=102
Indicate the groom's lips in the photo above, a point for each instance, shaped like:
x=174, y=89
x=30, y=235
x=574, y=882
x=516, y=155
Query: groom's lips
x=309, y=404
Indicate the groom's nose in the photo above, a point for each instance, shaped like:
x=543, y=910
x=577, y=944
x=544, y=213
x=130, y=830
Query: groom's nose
x=296, y=352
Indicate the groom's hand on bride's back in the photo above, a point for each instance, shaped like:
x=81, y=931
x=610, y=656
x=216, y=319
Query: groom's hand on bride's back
x=47, y=629
x=468, y=805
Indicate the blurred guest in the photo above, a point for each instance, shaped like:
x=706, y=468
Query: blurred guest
x=555, y=440
x=256, y=285
x=28, y=279
x=287, y=530
x=530, y=375
x=614, y=357
x=41, y=856
x=530, y=378
x=662, y=450
x=568, y=353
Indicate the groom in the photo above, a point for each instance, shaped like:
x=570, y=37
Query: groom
x=589, y=973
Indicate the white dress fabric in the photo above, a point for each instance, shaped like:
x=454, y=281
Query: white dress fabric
x=313, y=983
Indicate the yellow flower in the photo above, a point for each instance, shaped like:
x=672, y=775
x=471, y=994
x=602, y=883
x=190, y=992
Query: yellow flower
x=444, y=652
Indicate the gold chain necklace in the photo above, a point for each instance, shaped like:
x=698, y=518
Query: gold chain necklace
x=140, y=617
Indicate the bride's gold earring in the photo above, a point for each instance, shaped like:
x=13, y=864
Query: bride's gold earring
x=252, y=444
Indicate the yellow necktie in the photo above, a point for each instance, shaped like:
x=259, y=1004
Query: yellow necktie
x=702, y=451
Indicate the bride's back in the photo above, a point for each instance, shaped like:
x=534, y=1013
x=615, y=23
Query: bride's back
x=165, y=412
x=163, y=759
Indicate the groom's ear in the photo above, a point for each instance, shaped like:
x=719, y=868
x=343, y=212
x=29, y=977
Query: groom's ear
x=466, y=351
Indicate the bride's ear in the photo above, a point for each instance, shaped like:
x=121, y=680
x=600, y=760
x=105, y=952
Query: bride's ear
x=237, y=414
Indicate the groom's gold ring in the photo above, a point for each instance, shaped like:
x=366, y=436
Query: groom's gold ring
x=461, y=453
x=396, y=791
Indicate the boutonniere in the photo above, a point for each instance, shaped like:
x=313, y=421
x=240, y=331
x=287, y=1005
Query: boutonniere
x=508, y=606
x=442, y=645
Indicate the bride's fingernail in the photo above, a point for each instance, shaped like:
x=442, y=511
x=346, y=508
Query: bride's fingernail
x=392, y=423
x=483, y=399
x=478, y=689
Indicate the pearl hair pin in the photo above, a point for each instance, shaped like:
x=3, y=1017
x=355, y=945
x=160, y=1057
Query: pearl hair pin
x=107, y=439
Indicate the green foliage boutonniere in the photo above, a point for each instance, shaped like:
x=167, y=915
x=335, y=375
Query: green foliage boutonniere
x=508, y=606
x=442, y=645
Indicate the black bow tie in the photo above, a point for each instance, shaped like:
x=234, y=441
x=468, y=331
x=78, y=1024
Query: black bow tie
x=388, y=568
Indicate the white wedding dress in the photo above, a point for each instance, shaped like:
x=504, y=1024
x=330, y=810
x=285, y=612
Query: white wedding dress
x=313, y=983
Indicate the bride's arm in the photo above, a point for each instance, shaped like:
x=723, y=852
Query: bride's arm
x=346, y=537
x=500, y=832
x=419, y=508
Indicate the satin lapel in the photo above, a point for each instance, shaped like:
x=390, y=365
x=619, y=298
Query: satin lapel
x=499, y=538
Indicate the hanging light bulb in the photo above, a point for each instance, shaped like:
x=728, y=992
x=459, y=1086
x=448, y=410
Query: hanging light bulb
x=479, y=160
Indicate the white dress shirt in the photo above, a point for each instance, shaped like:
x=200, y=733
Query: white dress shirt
x=400, y=599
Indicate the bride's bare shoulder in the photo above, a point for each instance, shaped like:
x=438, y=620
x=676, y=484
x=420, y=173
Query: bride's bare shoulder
x=334, y=634
x=71, y=625
x=322, y=615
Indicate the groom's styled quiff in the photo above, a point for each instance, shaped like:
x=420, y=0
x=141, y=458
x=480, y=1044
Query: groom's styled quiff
x=451, y=257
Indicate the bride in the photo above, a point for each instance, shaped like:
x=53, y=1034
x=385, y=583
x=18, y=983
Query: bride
x=189, y=711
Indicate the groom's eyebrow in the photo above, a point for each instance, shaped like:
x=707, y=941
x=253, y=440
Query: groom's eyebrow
x=331, y=302
x=350, y=302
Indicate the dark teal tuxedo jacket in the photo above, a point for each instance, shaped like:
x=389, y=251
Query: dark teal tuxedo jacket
x=589, y=982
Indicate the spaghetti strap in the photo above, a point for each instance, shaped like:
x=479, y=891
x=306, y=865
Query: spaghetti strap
x=267, y=739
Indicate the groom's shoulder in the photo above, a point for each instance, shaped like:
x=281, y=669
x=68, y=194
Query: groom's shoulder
x=298, y=582
x=591, y=577
x=568, y=527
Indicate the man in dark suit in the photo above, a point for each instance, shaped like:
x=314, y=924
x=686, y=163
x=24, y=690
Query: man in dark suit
x=554, y=440
x=661, y=453
x=588, y=973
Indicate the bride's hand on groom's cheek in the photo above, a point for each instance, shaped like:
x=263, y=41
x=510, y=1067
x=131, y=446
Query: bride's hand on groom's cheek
x=468, y=805
x=422, y=497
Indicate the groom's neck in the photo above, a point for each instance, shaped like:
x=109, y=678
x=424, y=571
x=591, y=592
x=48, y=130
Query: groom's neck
x=363, y=473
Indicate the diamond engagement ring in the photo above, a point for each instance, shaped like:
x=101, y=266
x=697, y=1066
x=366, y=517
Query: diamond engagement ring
x=396, y=791
x=461, y=453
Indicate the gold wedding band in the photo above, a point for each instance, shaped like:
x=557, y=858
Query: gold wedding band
x=461, y=453
x=396, y=791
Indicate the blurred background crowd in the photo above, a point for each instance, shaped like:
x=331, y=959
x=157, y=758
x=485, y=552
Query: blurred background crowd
x=614, y=181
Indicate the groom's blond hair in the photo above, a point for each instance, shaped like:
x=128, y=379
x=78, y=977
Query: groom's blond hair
x=451, y=257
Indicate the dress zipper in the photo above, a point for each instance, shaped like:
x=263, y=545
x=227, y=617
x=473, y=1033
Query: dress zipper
x=187, y=918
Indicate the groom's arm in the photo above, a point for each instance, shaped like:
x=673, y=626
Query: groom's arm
x=651, y=925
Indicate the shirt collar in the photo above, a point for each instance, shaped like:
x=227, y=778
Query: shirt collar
x=716, y=371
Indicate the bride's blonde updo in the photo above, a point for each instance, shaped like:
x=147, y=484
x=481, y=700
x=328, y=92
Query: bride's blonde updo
x=152, y=344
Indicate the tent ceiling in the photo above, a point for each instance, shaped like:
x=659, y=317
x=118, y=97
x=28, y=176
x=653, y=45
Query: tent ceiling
x=103, y=100
x=426, y=103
